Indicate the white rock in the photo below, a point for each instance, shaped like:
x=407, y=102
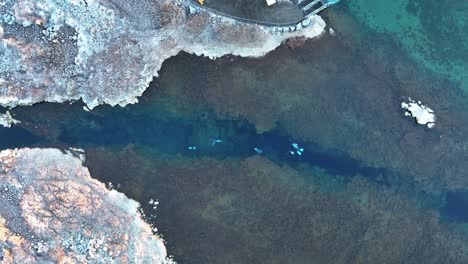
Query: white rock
x=306, y=22
x=192, y=10
x=423, y=114
x=7, y=120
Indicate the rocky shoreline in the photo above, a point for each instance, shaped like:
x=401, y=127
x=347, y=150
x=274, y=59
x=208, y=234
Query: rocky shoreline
x=52, y=211
x=108, y=51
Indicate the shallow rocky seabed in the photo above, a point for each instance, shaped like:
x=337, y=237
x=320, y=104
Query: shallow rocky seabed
x=368, y=176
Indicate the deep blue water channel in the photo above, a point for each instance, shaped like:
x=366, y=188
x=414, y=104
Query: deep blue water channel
x=209, y=137
x=189, y=135
x=204, y=137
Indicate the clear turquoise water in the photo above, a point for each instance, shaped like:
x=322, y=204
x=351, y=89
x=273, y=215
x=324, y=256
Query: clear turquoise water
x=337, y=97
x=433, y=33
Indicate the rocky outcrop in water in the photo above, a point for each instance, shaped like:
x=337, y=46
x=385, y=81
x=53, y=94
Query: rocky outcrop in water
x=107, y=51
x=7, y=120
x=423, y=114
x=52, y=211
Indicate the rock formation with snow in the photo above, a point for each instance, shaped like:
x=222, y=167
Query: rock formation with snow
x=108, y=51
x=52, y=211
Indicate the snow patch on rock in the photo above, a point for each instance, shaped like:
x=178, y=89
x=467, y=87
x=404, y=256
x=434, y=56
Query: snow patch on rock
x=7, y=119
x=423, y=114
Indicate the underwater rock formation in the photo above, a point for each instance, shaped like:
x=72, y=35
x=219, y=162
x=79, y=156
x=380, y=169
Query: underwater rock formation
x=107, y=51
x=256, y=211
x=52, y=211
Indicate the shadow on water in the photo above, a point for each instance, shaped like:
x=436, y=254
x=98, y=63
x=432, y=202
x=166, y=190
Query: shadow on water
x=16, y=137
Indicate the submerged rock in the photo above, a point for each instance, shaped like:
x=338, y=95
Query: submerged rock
x=107, y=51
x=281, y=213
x=423, y=114
x=52, y=211
x=7, y=120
